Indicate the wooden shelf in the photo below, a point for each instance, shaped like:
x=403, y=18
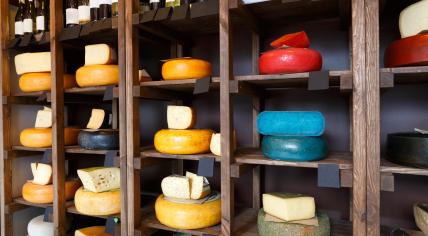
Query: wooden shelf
x=40, y=40
x=68, y=149
x=406, y=75
x=72, y=209
x=104, y=31
x=152, y=153
x=22, y=201
x=389, y=167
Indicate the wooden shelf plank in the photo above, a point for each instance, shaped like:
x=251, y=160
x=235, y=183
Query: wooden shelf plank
x=152, y=153
x=68, y=149
x=22, y=201
x=408, y=75
x=72, y=209
x=389, y=167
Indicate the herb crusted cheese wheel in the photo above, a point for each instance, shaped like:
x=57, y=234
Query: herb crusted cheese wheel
x=33, y=62
x=289, y=207
x=99, y=54
x=41, y=81
x=92, y=231
x=181, y=117
x=97, y=204
x=97, y=75
x=100, y=179
x=182, y=142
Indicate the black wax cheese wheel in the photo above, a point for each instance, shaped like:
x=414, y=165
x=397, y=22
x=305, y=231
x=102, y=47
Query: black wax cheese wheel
x=99, y=140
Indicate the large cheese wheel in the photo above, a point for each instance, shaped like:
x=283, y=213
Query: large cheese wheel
x=414, y=19
x=42, y=138
x=188, y=216
x=38, y=227
x=92, y=231
x=195, y=141
x=97, y=204
x=99, y=140
x=35, y=82
x=97, y=75
x=290, y=60
x=411, y=51
x=294, y=148
x=268, y=228
x=43, y=194
x=186, y=68
x=289, y=123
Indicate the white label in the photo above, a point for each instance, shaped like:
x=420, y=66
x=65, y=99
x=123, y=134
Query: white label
x=84, y=13
x=28, y=26
x=72, y=16
x=154, y=1
x=19, y=28
x=40, y=23
x=94, y=3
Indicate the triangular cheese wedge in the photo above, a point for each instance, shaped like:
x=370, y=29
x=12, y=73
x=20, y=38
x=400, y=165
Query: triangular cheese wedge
x=44, y=118
x=199, y=186
x=97, y=119
x=100, y=179
x=42, y=173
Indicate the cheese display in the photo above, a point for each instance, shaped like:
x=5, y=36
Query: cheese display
x=181, y=117
x=420, y=212
x=189, y=215
x=176, y=186
x=410, y=51
x=33, y=62
x=178, y=142
x=92, y=231
x=42, y=138
x=42, y=173
x=100, y=179
x=43, y=194
x=414, y=19
x=294, y=148
x=290, y=60
x=289, y=123
x=99, y=139
x=36, y=82
x=99, y=119
x=100, y=54
x=289, y=207
x=97, y=75
x=44, y=118
x=185, y=68
x=199, y=186
x=215, y=145
x=97, y=204
x=409, y=149
x=297, y=40
x=38, y=227
x=269, y=228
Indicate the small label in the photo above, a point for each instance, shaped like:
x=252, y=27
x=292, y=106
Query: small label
x=40, y=23
x=19, y=28
x=110, y=119
x=318, y=80
x=28, y=26
x=47, y=157
x=47, y=217
x=202, y=86
x=111, y=225
x=328, y=175
x=71, y=16
x=108, y=93
x=84, y=13
x=110, y=159
x=206, y=167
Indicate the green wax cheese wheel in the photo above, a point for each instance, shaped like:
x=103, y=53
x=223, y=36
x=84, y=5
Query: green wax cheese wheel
x=266, y=228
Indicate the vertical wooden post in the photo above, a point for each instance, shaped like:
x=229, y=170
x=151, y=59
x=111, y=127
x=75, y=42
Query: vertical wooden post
x=5, y=142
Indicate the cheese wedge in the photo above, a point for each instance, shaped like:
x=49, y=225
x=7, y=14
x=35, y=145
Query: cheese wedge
x=180, y=117
x=176, y=186
x=92, y=231
x=144, y=76
x=42, y=173
x=97, y=119
x=215, y=145
x=100, y=179
x=44, y=118
x=33, y=62
x=289, y=207
x=99, y=54
x=199, y=186
x=414, y=19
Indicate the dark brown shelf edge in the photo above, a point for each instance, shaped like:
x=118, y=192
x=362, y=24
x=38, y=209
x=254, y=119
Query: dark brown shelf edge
x=68, y=149
x=87, y=29
x=72, y=209
x=22, y=201
x=147, y=153
x=389, y=167
x=95, y=90
x=33, y=40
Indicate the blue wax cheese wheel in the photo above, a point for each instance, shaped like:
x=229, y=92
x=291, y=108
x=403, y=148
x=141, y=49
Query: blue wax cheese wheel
x=294, y=148
x=291, y=123
x=99, y=139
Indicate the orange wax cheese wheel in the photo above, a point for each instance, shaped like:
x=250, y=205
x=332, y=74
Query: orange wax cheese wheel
x=97, y=204
x=186, y=68
x=35, y=82
x=43, y=194
x=188, y=216
x=42, y=137
x=92, y=231
x=97, y=75
x=177, y=142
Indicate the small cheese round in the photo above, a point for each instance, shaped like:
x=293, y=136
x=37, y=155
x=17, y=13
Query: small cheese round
x=99, y=140
x=92, y=231
x=188, y=216
x=97, y=204
x=195, y=141
x=97, y=75
x=186, y=68
x=42, y=138
x=290, y=60
x=38, y=227
x=35, y=82
x=43, y=194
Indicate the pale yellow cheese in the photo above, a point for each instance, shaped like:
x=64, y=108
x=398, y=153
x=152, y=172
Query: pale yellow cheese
x=99, y=54
x=289, y=207
x=144, y=76
x=180, y=117
x=199, y=186
x=33, y=62
x=215, y=145
x=100, y=179
x=97, y=119
x=44, y=118
x=42, y=173
x=92, y=231
x=176, y=186
x=414, y=19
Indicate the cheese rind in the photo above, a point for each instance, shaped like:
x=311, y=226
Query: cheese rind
x=100, y=179
x=42, y=173
x=182, y=142
x=42, y=138
x=289, y=207
x=176, y=186
x=44, y=118
x=92, y=231
x=33, y=62
x=97, y=75
x=43, y=194
x=97, y=204
x=414, y=19
x=38, y=227
x=99, y=54
x=41, y=81
x=199, y=186
x=185, y=68
x=180, y=117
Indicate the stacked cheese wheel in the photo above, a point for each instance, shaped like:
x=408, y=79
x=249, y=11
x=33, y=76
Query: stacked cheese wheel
x=96, y=137
x=35, y=69
x=92, y=231
x=100, y=194
x=185, y=68
x=187, y=203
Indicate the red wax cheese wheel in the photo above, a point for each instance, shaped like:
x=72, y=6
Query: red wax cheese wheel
x=296, y=40
x=35, y=82
x=290, y=60
x=43, y=194
x=410, y=51
x=42, y=137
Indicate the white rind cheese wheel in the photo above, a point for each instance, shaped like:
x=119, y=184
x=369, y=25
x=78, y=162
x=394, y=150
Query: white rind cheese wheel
x=100, y=179
x=414, y=19
x=33, y=62
x=180, y=117
x=100, y=54
x=289, y=207
x=37, y=227
x=97, y=204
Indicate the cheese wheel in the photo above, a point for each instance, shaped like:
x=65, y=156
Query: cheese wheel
x=99, y=140
x=97, y=75
x=186, y=68
x=42, y=138
x=38, y=227
x=188, y=216
x=178, y=142
x=43, y=194
x=410, y=51
x=414, y=19
x=33, y=62
x=97, y=204
x=36, y=82
x=92, y=231
x=290, y=60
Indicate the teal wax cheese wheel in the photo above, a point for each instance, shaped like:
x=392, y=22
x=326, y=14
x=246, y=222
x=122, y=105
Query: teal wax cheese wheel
x=294, y=148
x=267, y=228
x=291, y=123
x=99, y=139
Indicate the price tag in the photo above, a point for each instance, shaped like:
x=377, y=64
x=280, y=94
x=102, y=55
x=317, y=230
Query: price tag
x=148, y=16
x=328, y=176
x=47, y=157
x=205, y=8
x=13, y=42
x=42, y=97
x=108, y=94
x=70, y=33
x=202, y=86
x=86, y=29
x=110, y=159
x=111, y=223
x=25, y=40
x=206, y=167
x=318, y=80
x=180, y=13
x=162, y=14
x=47, y=217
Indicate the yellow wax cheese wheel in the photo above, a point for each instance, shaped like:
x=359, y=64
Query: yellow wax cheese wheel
x=42, y=138
x=97, y=204
x=188, y=216
x=177, y=142
x=92, y=231
x=35, y=82
x=43, y=194
x=186, y=68
x=97, y=75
